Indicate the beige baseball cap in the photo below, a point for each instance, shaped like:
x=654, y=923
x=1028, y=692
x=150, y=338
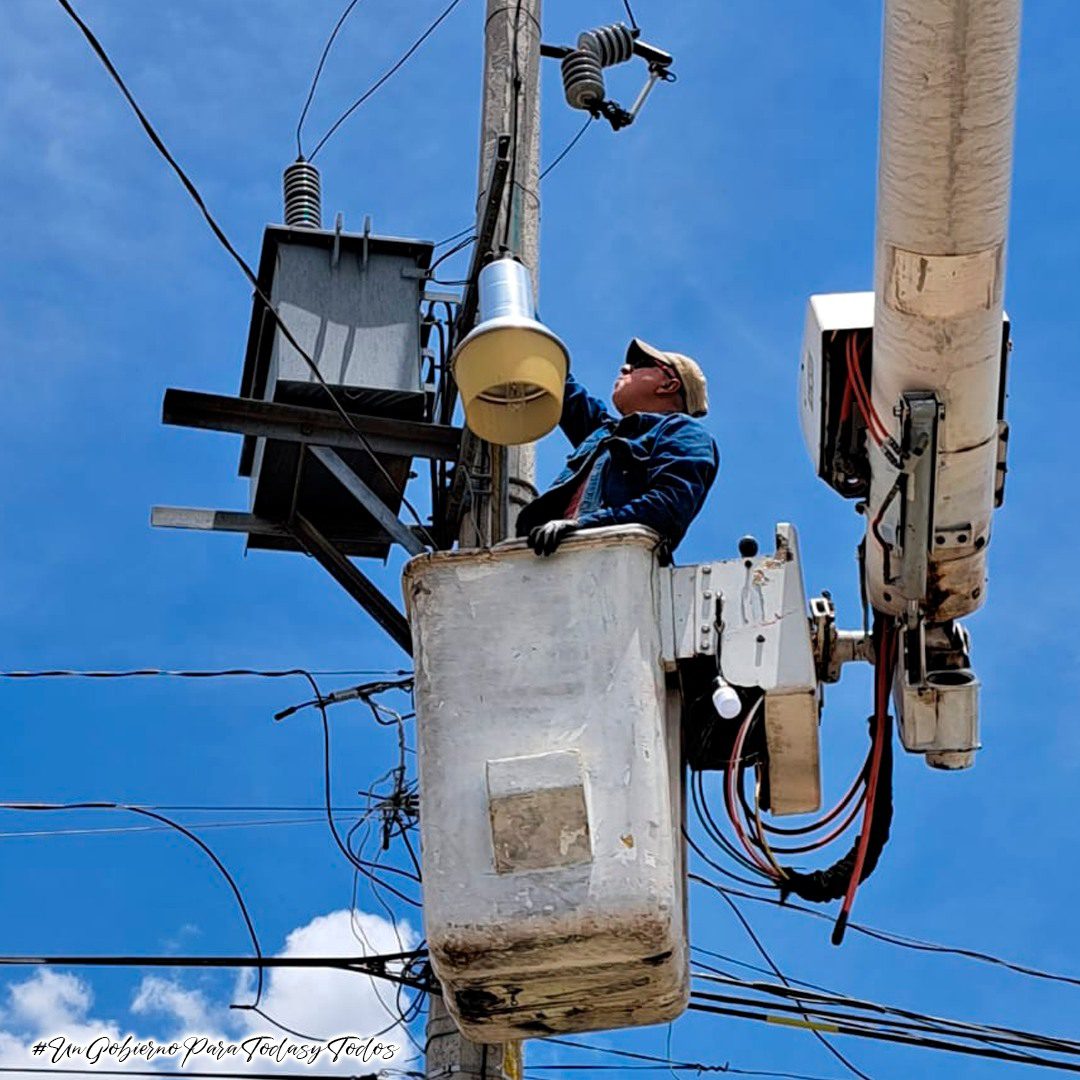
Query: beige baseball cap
x=695, y=392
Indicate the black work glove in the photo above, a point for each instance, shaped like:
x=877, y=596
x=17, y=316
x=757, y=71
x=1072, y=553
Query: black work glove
x=544, y=539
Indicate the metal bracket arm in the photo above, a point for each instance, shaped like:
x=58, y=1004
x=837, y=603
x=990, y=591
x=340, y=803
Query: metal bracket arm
x=299, y=423
x=357, y=584
x=368, y=499
x=234, y=521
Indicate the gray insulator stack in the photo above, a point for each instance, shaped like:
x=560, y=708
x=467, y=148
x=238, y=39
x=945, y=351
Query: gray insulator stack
x=303, y=200
x=582, y=68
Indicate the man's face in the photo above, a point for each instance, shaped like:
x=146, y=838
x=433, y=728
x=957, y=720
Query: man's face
x=644, y=385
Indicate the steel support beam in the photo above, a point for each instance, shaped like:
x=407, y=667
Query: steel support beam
x=319, y=427
x=357, y=584
x=234, y=521
x=368, y=499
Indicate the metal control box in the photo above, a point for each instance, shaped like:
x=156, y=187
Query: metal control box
x=352, y=302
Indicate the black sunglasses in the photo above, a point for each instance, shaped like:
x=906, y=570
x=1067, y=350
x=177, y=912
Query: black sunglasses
x=639, y=360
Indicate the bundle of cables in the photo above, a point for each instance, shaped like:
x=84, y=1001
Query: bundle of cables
x=870, y=793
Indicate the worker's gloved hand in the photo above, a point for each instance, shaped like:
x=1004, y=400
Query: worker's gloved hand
x=544, y=539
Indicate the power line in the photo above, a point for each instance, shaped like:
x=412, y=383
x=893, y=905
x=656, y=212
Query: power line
x=850, y=1066
x=138, y=673
x=546, y=170
x=900, y=940
x=362, y=865
x=695, y=1066
x=368, y=964
x=264, y=808
x=825, y=1004
x=750, y=967
x=389, y=73
x=318, y=72
x=223, y=239
x=67, y=1071
x=839, y=1028
x=155, y=828
x=455, y=236
x=630, y=14
x=47, y=807
x=566, y=149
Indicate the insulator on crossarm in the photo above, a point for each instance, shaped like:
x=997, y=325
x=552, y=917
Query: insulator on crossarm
x=303, y=199
x=583, y=67
x=611, y=45
x=583, y=79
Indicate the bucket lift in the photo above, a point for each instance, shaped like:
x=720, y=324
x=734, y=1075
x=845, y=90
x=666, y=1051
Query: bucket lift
x=552, y=700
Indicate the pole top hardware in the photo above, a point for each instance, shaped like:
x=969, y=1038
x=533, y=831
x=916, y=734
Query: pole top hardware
x=606, y=46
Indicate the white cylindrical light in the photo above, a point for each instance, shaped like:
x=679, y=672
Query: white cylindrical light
x=510, y=369
x=725, y=699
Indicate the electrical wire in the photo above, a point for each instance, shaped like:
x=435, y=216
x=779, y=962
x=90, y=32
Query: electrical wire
x=455, y=236
x=138, y=673
x=452, y=251
x=567, y=148
x=825, y=1003
x=68, y=1071
x=689, y=1066
x=374, y=966
x=750, y=967
x=630, y=14
x=841, y=1028
x=288, y=1030
x=223, y=239
x=712, y=829
x=154, y=828
x=828, y=818
x=515, y=81
x=874, y=425
x=266, y=808
x=388, y=74
x=732, y=776
x=359, y=864
x=901, y=941
x=764, y=953
x=544, y=172
x=208, y=851
x=318, y=72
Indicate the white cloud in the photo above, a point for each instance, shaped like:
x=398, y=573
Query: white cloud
x=163, y=996
x=311, y=1001
x=330, y=1003
x=49, y=1000
x=45, y=1005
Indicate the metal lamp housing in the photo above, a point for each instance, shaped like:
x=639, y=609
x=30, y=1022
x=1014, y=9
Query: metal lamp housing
x=510, y=369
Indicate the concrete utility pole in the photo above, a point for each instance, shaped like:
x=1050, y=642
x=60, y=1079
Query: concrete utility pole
x=511, y=106
x=511, y=77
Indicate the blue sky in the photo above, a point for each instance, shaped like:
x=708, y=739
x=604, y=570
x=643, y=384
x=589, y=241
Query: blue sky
x=745, y=187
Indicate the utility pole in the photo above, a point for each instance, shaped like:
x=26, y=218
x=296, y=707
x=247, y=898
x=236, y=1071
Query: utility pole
x=510, y=106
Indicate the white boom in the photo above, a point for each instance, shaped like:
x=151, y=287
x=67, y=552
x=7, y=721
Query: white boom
x=947, y=109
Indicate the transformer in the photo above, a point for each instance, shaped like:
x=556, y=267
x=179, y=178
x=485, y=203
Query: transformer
x=352, y=301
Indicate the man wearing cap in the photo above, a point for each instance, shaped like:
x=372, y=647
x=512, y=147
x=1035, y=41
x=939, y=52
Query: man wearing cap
x=652, y=465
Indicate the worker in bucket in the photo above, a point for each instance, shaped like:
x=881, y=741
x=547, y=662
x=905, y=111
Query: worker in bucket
x=653, y=464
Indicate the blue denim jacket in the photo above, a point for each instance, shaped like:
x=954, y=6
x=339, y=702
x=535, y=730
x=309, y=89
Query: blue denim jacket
x=648, y=468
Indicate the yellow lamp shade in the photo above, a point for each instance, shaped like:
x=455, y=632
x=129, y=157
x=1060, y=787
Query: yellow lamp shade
x=511, y=369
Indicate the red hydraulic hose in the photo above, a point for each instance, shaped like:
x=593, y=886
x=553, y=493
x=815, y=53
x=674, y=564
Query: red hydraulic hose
x=885, y=634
